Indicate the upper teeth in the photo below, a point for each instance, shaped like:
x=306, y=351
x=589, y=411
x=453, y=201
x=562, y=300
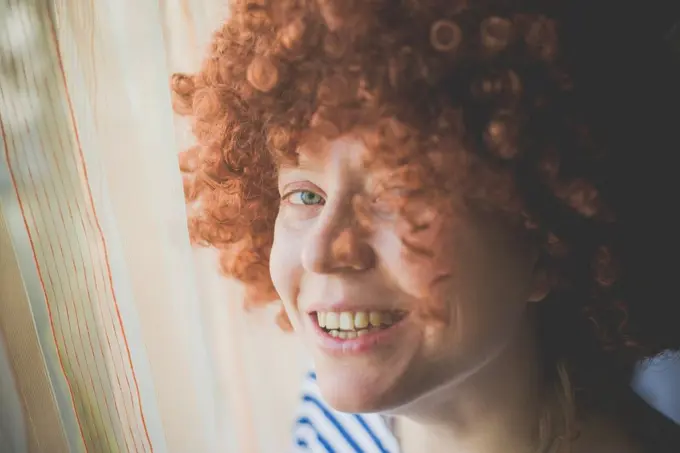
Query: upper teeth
x=354, y=320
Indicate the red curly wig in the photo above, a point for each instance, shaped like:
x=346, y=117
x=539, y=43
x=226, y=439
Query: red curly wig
x=551, y=112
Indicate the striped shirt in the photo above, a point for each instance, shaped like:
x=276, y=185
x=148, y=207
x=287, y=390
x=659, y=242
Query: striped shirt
x=321, y=429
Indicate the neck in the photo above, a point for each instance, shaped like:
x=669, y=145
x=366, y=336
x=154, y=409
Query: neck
x=496, y=410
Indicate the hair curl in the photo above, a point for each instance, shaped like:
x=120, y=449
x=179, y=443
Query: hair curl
x=539, y=109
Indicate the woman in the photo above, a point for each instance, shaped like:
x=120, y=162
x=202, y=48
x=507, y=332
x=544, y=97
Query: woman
x=452, y=201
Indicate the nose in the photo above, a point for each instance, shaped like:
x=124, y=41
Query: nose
x=338, y=244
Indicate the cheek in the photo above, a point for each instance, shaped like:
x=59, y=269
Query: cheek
x=487, y=293
x=284, y=266
x=472, y=288
x=411, y=271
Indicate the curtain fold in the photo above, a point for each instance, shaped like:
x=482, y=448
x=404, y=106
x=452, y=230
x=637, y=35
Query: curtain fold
x=60, y=236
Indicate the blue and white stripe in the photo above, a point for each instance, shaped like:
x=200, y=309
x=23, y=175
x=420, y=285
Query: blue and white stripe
x=321, y=429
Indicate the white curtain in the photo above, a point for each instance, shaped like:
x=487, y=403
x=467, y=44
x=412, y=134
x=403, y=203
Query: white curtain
x=116, y=336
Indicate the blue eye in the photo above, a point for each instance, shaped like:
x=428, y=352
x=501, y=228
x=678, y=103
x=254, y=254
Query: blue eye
x=305, y=197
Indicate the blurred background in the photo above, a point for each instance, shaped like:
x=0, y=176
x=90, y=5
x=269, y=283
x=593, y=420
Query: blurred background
x=116, y=335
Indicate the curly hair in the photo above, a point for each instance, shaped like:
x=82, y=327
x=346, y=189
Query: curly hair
x=536, y=109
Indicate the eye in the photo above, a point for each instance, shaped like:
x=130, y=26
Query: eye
x=304, y=197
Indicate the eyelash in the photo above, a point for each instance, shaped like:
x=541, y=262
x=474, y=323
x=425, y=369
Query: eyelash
x=288, y=196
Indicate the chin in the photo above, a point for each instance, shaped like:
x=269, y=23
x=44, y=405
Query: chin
x=351, y=396
x=358, y=392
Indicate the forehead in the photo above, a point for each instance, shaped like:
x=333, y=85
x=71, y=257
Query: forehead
x=346, y=152
x=343, y=162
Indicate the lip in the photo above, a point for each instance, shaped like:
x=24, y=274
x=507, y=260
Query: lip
x=360, y=345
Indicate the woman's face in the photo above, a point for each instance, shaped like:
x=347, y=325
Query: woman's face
x=356, y=296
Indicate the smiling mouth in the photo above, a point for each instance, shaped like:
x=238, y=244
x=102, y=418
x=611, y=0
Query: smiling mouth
x=350, y=325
